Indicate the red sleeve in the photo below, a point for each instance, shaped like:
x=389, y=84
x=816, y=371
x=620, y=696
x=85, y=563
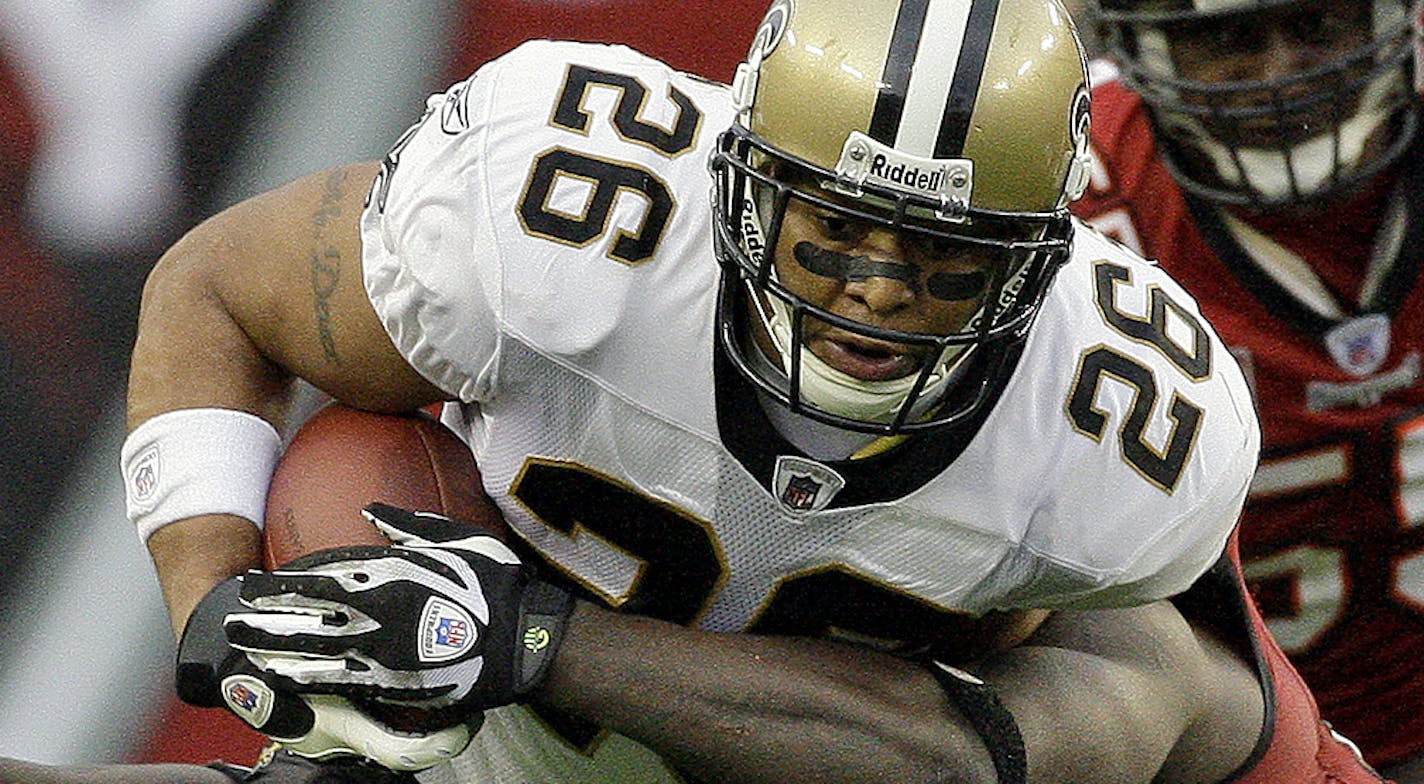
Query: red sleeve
x=1296, y=746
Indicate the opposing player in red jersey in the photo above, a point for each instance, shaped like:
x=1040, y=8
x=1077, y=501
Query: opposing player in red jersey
x=1266, y=153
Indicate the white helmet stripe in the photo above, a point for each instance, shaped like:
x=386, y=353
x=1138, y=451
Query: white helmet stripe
x=900, y=66
x=968, y=74
x=932, y=79
x=928, y=93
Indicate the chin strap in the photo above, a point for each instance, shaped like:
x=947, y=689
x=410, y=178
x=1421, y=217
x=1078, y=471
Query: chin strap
x=979, y=704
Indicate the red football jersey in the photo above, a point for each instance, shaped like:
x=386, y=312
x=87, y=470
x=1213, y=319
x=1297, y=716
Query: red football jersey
x=1333, y=533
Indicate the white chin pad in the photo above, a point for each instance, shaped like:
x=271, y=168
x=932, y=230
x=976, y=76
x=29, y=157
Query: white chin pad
x=839, y=393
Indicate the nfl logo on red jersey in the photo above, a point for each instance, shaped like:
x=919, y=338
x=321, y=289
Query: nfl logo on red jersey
x=1359, y=345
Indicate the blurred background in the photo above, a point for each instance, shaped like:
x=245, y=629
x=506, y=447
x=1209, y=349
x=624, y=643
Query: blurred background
x=122, y=124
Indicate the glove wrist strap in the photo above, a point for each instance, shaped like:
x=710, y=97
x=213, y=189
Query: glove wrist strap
x=544, y=612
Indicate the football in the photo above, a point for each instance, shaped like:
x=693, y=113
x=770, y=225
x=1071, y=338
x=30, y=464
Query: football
x=344, y=458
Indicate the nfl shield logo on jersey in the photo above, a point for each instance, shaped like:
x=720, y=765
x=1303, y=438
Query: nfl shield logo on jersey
x=1361, y=344
x=804, y=485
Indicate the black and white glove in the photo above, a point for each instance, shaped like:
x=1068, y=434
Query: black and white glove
x=213, y=674
x=444, y=618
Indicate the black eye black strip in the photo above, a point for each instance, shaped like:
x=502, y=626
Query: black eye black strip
x=947, y=286
x=956, y=286
x=831, y=264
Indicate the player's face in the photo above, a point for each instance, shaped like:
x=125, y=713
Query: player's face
x=879, y=276
x=1266, y=45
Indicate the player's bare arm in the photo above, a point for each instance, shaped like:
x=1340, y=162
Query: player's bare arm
x=1132, y=695
x=1144, y=697
x=265, y=291
x=1170, y=704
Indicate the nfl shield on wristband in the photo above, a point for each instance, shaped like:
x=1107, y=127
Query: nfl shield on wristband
x=198, y=461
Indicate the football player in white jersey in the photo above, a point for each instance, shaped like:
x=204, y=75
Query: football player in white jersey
x=881, y=389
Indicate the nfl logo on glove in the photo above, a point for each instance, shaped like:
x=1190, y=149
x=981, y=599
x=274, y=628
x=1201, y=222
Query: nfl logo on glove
x=445, y=631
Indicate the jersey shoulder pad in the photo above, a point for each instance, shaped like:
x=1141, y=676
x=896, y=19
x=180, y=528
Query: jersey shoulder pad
x=532, y=199
x=1143, y=430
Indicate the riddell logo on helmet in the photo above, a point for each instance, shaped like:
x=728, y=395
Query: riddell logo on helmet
x=928, y=180
x=751, y=231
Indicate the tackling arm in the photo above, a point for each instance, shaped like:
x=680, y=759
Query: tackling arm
x=1098, y=697
x=1116, y=696
x=265, y=291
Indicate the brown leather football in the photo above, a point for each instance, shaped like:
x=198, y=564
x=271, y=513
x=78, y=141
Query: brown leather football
x=344, y=458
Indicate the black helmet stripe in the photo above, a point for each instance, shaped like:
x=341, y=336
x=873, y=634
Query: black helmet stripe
x=968, y=73
x=895, y=81
x=928, y=93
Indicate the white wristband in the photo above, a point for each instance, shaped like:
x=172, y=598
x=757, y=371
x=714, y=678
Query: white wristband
x=198, y=461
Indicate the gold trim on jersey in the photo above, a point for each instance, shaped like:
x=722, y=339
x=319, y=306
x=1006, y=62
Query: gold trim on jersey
x=879, y=446
x=583, y=229
x=1162, y=467
x=1153, y=329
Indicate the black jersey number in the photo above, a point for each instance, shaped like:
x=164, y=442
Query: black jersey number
x=1162, y=466
x=591, y=186
x=677, y=564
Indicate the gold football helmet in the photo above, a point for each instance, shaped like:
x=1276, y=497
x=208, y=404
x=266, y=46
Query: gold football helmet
x=953, y=123
x=1268, y=141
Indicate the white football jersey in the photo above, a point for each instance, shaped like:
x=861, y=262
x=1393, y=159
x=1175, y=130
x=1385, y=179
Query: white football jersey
x=540, y=247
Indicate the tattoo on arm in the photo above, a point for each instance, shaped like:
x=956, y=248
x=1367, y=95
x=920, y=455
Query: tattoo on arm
x=325, y=274
x=326, y=264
